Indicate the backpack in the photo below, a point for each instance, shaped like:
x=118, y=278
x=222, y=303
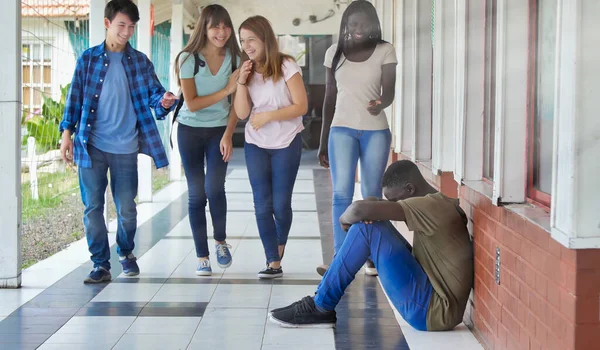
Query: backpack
x=198, y=62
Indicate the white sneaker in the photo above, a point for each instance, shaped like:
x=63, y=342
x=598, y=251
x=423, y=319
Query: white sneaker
x=370, y=269
x=204, y=268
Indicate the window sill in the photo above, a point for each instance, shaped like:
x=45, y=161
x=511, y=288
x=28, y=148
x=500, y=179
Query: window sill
x=533, y=214
x=480, y=186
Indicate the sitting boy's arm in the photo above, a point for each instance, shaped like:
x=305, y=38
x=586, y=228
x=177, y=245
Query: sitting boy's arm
x=370, y=210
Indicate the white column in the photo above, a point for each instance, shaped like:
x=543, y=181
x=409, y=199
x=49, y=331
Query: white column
x=575, y=205
x=444, y=93
x=176, y=47
x=400, y=127
x=10, y=144
x=97, y=30
x=460, y=72
x=472, y=141
x=422, y=56
x=144, y=45
x=510, y=149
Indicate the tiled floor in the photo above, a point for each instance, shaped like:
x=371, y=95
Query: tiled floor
x=168, y=307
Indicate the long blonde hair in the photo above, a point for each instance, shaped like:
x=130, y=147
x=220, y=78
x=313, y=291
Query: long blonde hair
x=273, y=59
x=211, y=15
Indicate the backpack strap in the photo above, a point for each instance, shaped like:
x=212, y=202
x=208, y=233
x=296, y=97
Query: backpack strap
x=197, y=64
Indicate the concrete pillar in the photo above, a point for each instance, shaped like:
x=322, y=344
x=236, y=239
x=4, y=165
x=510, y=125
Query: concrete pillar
x=144, y=45
x=97, y=30
x=176, y=47
x=10, y=143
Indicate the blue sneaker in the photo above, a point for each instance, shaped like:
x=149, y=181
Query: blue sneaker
x=223, y=255
x=98, y=275
x=203, y=268
x=130, y=266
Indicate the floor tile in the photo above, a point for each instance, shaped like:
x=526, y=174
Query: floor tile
x=233, y=317
x=153, y=341
x=46, y=346
x=173, y=309
x=128, y=292
x=230, y=336
x=236, y=296
x=97, y=324
x=283, y=295
x=185, y=293
x=101, y=339
x=164, y=325
x=274, y=334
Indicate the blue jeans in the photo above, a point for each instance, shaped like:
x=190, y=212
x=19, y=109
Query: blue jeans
x=401, y=276
x=272, y=174
x=195, y=144
x=124, y=186
x=346, y=147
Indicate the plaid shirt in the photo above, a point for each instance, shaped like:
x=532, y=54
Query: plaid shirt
x=82, y=102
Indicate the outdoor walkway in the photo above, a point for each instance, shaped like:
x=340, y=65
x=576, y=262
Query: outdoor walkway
x=168, y=307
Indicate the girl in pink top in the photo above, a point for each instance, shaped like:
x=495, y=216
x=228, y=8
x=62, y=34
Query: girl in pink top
x=271, y=93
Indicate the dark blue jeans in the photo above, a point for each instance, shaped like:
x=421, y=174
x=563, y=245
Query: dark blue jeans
x=194, y=145
x=401, y=276
x=272, y=174
x=124, y=186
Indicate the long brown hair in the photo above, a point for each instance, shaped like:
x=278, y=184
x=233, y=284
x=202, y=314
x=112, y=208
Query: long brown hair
x=273, y=59
x=211, y=15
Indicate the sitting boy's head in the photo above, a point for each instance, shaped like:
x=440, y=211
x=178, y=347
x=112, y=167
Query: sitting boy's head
x=403, y=180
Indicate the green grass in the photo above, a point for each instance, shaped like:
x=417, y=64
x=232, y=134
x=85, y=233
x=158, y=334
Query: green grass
x=160, y=179
x=51, y=189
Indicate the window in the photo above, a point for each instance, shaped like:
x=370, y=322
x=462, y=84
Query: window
x=489, y=118
x=541, y=114
x=36, y=63
x=294, y=46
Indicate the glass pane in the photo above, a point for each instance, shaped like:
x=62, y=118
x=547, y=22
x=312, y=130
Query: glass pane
x=47, y=75
x=25, y=52
x=544, y=107
x=37, y=74
x=36, y=52
x=489, y=120
x=26, y=96
x=47, y=53
x=26, y=74
x=37, y=97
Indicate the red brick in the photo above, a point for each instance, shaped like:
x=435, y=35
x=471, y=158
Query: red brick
x=524, y=340
x=511, y=324
x=508, y=259
x=538, y=258
x=537, y=235
x=541, y=333
x=587, y=336
x=558, y=325
x=511, y=343
x=554, y=247
x=567, y=305
x=588, y=282
x=569, y=340
x=553, y=294
x=531, y=322
x=551, y=265
x=524, y=293
x=530, y=276
x=541, y=285
x=588, y=259
x=513, y=240
x=496, y=213
x=587, y=310
x=567, y=277
x=568, y=255
x=520, y=268
x=537, y=305
x=534, y=345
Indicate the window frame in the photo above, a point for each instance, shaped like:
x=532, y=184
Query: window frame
x=534, y=195
x=45, y=64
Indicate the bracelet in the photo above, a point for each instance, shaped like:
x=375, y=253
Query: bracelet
x=244, y=84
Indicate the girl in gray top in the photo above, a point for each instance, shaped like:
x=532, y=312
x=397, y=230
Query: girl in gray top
x=361, y=78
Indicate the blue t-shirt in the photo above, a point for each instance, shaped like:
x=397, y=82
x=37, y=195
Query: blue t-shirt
x=115, y=129
x=206, y=84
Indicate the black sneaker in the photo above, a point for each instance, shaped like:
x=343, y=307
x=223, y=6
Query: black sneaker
x=270, y=272
x=303, y=314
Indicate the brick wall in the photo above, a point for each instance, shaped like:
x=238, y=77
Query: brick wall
x=548, y=297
